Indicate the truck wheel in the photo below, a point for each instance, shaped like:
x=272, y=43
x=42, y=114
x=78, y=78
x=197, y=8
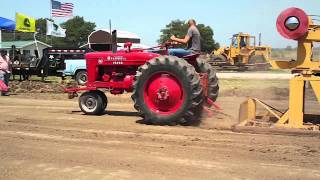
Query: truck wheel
x=81, y=77
x=213, y=82
x=91, y=103
x=219, y=58
x=258, y=63
x=167, y=91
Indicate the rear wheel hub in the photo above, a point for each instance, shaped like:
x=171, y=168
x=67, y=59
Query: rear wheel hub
x=163, y=93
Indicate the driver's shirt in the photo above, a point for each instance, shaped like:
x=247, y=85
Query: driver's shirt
x=194, y=43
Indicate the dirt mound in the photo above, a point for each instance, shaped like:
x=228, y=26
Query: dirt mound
x=39, y=87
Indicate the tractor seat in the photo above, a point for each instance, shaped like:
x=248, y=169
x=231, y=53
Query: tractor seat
x=191, y=56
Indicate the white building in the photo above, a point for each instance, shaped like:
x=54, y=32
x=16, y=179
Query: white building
x=25, y=47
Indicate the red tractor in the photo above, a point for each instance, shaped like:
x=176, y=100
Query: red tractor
x=165, y=89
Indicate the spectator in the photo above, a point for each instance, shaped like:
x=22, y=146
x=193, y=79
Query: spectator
x=4, y=70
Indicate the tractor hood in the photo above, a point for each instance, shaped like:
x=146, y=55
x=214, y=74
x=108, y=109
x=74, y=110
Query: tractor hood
x=122, y=55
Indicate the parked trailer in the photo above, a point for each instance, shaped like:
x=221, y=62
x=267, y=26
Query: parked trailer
x=52, y=63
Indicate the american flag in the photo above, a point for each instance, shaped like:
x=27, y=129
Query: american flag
x=59, y=9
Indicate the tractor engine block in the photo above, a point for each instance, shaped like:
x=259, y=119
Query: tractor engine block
x=118, y=78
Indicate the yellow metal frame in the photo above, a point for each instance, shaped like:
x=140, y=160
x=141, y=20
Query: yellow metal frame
x=294, y=116
x=305, y=62
x=308, y=69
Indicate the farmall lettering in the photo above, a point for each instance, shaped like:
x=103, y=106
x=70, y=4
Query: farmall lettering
x=116, y=59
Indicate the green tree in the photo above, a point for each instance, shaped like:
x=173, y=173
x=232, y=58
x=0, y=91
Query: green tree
x=77, y=30
x=179, y=28
x=41, y=26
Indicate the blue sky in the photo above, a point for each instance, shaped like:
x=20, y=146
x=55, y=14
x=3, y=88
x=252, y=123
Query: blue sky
x=147, y=17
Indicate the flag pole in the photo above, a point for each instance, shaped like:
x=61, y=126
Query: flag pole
x=14, y=31
x=36, y=41
x=51, y=18
x=50, y=9
x=110, y=26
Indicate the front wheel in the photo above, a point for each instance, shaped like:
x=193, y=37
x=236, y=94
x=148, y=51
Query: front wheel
x=104, y=99
x=167, y=91
x=92, y=103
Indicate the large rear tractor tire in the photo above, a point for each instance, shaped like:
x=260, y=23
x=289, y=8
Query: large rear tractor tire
x=213, y=81
x=92, y=103
x=167, y=91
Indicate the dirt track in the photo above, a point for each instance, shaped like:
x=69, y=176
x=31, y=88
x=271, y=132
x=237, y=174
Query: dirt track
x=43, y=138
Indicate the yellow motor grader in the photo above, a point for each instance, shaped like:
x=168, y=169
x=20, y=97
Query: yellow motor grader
x=293, y=24
x=242, y=54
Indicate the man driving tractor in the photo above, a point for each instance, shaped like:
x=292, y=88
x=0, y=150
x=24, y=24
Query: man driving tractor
x=192, y=38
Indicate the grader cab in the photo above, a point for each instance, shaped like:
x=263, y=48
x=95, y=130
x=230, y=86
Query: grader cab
x=293, y=24
x=242, y=54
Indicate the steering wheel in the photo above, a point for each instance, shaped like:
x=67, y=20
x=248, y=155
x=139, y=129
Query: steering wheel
x=169, y=44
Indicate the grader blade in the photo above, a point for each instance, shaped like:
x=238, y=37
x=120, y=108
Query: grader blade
x=256, y=116
x=248, y=115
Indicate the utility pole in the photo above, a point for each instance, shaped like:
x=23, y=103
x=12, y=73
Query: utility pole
x=36, y=41
x=259, y=39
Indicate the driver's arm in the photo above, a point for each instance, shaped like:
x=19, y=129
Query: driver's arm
x=184, y=41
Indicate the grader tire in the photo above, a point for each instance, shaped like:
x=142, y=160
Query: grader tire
x=254, y=60
x=219, y=58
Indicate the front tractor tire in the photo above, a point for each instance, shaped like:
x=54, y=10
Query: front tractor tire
x=167, y=91
x=93, y=102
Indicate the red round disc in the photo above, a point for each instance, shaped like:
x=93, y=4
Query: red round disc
x=301, y=30
x=163, y=93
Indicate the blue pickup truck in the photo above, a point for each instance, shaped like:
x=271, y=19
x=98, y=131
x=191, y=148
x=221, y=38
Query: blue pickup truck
x=77, y=69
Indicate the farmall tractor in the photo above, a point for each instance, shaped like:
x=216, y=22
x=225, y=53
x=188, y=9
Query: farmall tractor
x=165, y=89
